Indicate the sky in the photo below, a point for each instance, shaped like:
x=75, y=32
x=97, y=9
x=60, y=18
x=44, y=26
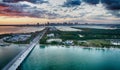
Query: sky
x=42, y=11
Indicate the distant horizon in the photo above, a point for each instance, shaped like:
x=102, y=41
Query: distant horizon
x=60, y=24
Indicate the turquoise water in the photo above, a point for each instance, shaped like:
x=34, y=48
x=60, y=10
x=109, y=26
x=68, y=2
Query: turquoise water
x=7, y=53
x=71, y=58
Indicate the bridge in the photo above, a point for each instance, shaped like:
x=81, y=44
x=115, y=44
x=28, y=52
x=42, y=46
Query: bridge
x=13, y=65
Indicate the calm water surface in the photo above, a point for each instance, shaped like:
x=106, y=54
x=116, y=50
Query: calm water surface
x=8, y=53
x=8, y=29
x=71, y=58
x=15, y=29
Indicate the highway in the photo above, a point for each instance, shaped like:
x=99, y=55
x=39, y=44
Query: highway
x=13, y=65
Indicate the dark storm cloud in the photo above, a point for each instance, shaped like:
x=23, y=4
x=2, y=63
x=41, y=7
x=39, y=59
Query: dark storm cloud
x=38, y=1
x=91, y=1
x=32, y=1
x=110, y=4
x=70, y=3
x=113, y=4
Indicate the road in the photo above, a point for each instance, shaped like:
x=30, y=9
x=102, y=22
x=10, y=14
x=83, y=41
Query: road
x=13, y=65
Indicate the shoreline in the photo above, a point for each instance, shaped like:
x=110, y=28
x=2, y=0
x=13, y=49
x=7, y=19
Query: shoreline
x=81, y=46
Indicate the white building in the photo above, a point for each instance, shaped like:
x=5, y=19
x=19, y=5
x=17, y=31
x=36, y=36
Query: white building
x=50, y=35
x=54, y=40
x=69, y=42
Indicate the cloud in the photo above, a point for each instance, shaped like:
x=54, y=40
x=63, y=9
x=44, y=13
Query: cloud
x=114, y=6
x=70, y=3
x=111, y=4
x=51, y=9
x=39, y=1
x=32, y=1
x=26, y=9
x=91, y=1
x=56, y=2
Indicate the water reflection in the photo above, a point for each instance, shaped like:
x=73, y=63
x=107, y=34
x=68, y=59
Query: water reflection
x=7, y=53
x=72, y=58
x=87, y=48
x=42, y=46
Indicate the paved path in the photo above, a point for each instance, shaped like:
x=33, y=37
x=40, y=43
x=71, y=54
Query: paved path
x=13, y=65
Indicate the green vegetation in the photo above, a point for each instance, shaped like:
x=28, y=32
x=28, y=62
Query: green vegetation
x=90, y=33
x=91, y=37
x=44, y=38
x=33, y=35
x=4, y=35
x=96, y=43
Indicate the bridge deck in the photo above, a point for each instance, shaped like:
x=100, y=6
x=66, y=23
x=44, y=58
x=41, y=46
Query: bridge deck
x=13, y=65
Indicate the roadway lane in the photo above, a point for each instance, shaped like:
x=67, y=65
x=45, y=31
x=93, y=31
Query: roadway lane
x=13, y=65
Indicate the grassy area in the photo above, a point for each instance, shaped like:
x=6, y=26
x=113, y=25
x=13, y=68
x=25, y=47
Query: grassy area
x=96, y=43
x=99, y=33
x=91, y=37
